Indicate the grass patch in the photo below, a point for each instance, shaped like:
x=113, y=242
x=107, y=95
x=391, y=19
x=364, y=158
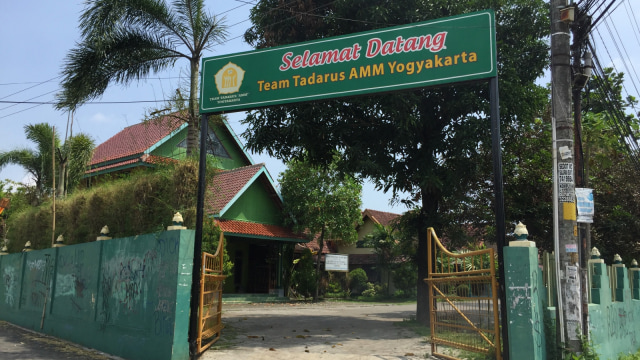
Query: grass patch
x=413, y=325
x=373, y=300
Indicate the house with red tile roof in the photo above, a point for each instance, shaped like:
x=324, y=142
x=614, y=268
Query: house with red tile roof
x=361, y=256
x=241, y=197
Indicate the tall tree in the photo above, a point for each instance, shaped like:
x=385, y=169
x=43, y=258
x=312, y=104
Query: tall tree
x=126, y=40
x=429, y=143
x=71, y=158
x=321, y=201
x=37, y=162
x=609, y=168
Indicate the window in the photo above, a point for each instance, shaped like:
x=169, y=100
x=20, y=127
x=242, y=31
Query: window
x=214, y=146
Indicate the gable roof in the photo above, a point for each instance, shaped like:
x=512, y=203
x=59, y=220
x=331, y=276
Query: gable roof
x=133, y=145
x=135, y=140
x=229, y=185
x=379, y=217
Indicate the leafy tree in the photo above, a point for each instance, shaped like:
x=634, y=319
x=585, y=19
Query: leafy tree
x=609, y=169
x=73, y=157
x=321, y=201
x=126, y=40
x=386, y=247
x=433, y=144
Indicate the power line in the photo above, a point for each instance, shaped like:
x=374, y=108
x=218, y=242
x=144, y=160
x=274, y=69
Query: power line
x=614, y=114
x=30, y=87
x=87, y=103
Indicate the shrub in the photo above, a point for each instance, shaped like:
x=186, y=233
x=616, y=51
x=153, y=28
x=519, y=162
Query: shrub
x=210, y=239
x=462, y=290
x=405, y=278
x=370, y=291
x=303, y=276
x=141, y=203
x=358, y=281
x=400, y=294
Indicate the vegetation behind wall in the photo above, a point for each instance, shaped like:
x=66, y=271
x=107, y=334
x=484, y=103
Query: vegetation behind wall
x=140, y=203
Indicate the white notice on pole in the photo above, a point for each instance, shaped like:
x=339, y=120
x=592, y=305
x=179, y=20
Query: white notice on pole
x=565, y=182
x=585, y=205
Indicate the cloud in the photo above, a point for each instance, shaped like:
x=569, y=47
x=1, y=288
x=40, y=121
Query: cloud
x=100, y=118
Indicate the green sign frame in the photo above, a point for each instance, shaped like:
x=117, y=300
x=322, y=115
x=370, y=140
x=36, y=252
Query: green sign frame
x=448, y=50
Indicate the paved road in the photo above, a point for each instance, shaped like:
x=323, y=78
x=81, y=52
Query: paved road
x=18, y=343
x=325, y=331
x=336, y=331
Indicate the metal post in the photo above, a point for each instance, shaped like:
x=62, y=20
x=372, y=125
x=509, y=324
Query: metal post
x=496, y=150
x=197, y=246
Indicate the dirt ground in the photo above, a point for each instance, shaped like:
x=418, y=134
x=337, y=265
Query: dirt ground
x=329, y=330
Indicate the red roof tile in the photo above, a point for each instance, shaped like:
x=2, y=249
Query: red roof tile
x=255, y=229
x=380, y=217
x=329, y=246
x=227, y=184
x=149, y=159
x=135, y=139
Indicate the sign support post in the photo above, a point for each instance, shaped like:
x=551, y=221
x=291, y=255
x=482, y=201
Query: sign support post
x=496, y=150
x=197, y=245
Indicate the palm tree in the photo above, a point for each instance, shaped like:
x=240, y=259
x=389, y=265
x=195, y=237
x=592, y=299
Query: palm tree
x=126, y=40
x=72, y=158
x=36, y=162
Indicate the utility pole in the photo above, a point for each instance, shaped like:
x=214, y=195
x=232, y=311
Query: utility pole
x=580, y=77
x=566, y=244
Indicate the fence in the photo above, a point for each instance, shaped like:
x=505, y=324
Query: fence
x=128, y=297
x=613, y=307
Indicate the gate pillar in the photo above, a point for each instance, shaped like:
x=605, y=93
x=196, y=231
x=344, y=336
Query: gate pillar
x=525, y=294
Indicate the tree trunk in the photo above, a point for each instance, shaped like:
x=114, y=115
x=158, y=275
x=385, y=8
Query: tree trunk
x=62, y=178
x=192, y=129
x=316, y=295
x=428, y=218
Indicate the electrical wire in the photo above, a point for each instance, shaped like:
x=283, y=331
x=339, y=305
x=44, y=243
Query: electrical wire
x=614, y=114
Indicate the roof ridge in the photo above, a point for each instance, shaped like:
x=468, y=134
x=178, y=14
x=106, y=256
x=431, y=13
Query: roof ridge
x=241, y=168
x=380, y=211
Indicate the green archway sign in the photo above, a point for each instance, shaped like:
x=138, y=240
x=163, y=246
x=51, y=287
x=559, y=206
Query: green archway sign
x=454, y=49
x=442, y=51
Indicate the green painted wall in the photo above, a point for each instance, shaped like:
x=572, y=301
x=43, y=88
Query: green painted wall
x=127, y=297
x=233, y=148
x=255, y=205
x=613, y=325
x=170, y=148
x=526, y=294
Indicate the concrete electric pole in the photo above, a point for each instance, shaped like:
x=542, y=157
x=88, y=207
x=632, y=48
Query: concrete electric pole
x=565, y=232
x=581, y=73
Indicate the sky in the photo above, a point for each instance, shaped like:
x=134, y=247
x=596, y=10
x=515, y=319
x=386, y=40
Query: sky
x=36, y=35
